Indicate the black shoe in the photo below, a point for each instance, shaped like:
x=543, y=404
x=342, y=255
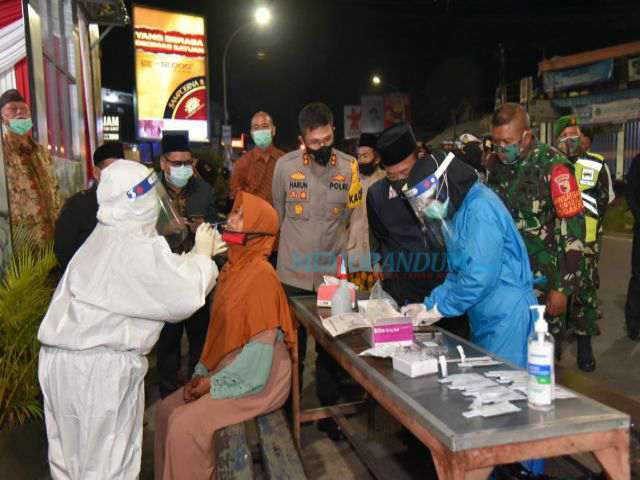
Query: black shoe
x=586, y=361
x=331, y=428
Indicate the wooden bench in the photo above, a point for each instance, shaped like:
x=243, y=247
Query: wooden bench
x=279, y=457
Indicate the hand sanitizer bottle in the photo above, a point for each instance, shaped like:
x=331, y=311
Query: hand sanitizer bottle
x=341, y=299
x=540, y=364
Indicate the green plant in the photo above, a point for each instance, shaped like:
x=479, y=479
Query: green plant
x=25, y=292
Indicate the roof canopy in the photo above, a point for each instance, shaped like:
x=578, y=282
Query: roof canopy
x=585, y=58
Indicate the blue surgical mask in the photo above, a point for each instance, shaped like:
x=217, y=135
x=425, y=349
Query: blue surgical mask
x=262, y=138
x=437, y=210
x=20, y=126
x=179, y=176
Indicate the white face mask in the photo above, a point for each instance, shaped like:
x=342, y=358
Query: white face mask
x=179, y=176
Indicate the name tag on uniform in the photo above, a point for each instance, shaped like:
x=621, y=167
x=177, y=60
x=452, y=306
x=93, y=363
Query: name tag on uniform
x=587, y=176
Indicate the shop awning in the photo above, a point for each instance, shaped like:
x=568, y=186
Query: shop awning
x=585, y=58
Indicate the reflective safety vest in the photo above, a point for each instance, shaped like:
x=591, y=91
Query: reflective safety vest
x=587, y=172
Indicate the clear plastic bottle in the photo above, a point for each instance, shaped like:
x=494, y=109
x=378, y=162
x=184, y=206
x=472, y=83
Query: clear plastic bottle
x=341, y=299
x=540, y=364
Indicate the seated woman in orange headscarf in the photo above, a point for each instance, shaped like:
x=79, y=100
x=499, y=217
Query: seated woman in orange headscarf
x=245, y=367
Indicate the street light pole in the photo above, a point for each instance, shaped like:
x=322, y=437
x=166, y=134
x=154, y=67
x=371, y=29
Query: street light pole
x=224, y=68
x=262, y=16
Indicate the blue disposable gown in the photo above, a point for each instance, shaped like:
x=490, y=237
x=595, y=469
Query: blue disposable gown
x=489, y=276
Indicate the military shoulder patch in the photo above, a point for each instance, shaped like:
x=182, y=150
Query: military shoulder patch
x=565, y=193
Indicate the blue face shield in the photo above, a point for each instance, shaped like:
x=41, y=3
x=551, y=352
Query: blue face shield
x=425, y=199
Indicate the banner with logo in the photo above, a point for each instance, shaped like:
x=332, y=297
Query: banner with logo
x=396, y=109
x=171, y=73
x=558, y=80
x=351, y=121
x=372, y=113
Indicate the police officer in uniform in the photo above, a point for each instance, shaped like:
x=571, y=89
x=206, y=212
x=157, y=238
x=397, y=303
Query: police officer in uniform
x=78, y=215
x=537, y=183
x=410, y=255
x=593, y=178
x=314, y=191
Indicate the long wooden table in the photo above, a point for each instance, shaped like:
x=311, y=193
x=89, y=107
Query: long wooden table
x=468, y=448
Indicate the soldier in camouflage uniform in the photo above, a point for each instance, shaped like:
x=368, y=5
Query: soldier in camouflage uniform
x=594, y=181
x=537, y=184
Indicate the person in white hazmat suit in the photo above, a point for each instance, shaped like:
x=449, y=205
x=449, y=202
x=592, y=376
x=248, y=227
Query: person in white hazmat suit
x=105, y=316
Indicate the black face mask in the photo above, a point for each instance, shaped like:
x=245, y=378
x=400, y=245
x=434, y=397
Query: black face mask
x=398, y=184
x=367, y=169
x=322, y=155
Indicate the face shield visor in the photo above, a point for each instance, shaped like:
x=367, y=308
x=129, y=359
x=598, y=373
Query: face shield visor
x=424, y=196
x=169, y=224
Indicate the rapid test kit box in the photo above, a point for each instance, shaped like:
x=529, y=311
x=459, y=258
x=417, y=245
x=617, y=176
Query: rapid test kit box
x=325, y=294
x=390, y=331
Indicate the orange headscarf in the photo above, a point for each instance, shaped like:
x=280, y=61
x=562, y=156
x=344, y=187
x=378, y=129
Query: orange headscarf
x=249, y=298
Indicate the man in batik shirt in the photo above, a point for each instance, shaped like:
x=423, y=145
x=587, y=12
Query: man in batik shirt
x=34, y=200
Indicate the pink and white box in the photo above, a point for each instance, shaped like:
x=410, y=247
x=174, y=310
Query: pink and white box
x=391, y=331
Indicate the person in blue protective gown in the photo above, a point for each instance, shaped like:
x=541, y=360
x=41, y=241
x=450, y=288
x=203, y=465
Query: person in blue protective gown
x=489, y=272
x=489, y=275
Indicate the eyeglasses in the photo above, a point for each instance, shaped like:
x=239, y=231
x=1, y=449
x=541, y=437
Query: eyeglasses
x=316, y=144
x=180, y=163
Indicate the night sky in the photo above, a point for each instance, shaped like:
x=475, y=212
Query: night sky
x=442, y=53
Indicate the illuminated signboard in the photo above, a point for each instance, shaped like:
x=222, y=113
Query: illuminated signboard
x=111, y=128
x=171, y=78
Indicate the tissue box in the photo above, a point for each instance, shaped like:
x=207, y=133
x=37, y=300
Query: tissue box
x=325, y=293
x=391, y=331
x=415, y=368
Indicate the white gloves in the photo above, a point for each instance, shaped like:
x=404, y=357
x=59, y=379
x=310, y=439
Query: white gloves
x=208, y=241
x=219, y=245
x=204, y=240
x=421, y=316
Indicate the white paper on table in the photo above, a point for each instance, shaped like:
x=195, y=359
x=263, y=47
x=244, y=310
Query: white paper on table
x=474, y=386
x=491, y=410
x=495, y=394
x=461, y=378
x=343, y=323
x=505, y=374
x=381, y=351
x=519, y=387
